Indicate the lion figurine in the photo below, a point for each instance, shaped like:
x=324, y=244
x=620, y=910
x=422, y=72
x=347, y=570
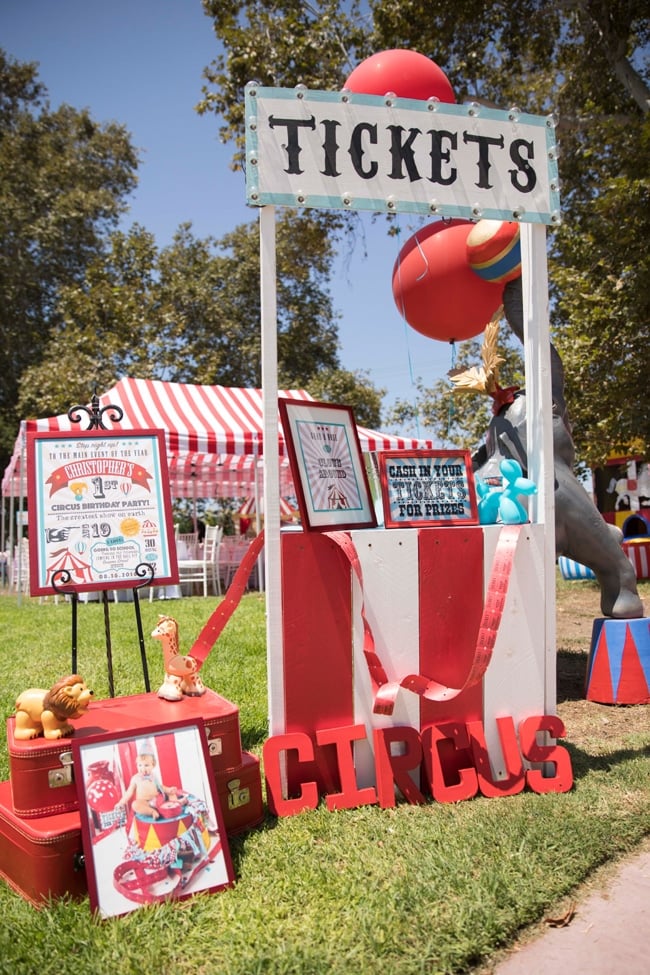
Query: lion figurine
x=48, y=713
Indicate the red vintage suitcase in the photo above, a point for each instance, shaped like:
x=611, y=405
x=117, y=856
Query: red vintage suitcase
x=41, y=858
x=41, y=773
x=240, y=795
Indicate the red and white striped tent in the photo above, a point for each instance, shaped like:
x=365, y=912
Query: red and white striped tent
x=250, y=507
x=213, y=435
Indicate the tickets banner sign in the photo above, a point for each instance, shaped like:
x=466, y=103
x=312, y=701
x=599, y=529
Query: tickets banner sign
x=100, y=511
x=382, y=153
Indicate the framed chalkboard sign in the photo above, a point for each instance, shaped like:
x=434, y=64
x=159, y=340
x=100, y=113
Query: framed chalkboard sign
x=427, y=487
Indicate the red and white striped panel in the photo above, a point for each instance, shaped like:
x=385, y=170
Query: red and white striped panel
x=249, y=508
x=206, y=419
x=198, y=422
x=638, y=552
x=423, y=597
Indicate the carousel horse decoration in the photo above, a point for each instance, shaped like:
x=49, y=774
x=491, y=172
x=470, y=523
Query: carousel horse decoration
x=181, y=672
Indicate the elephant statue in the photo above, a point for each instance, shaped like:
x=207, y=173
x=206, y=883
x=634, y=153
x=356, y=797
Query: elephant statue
x=581, y=533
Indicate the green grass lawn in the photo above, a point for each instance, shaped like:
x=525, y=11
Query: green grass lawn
x=415, y=889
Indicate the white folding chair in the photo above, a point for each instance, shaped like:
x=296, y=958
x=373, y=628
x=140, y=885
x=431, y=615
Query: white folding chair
x=211, y=553
x=203, y=569
x=187, y=544
x=20, y=579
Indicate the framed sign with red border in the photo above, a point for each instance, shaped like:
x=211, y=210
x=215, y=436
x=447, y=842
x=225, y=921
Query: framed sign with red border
x=100, y=511
x=427, y=487
x=151, y=822
x=327, y=465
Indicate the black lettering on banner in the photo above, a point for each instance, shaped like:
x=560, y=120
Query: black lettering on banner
x=483, y=142
x=440, y=156
x=356, y=149
x=292, y=147
x=330, y=147
x=406, y=154
x=523, y=166
x=402, y=152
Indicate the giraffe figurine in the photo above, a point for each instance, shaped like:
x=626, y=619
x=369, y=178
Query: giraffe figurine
x=181, y=672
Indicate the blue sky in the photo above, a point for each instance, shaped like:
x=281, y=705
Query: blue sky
x=140, y=62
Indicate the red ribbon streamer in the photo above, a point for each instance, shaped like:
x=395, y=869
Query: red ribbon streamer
x=385, y=691
x=218, y=619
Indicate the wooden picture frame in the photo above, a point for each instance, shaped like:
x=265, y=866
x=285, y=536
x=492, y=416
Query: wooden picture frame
x=100, y=511
x=423, y=488
x=327, y=465
x=133, y=858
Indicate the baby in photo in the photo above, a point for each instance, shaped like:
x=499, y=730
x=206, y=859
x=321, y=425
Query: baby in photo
x=145, y=787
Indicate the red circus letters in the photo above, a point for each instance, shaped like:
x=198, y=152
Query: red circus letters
x=402, y=755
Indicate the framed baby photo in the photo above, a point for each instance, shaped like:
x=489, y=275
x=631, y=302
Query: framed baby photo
x=152, y=827
x=327, y=465
x=427, y=487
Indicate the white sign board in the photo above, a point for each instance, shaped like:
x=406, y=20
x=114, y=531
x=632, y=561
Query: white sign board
x=101, y=511
x=365, y=152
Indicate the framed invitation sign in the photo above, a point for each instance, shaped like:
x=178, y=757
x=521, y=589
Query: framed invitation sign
x=427, y=487
x=100, y=511
x=152, y=825
x=327, y=465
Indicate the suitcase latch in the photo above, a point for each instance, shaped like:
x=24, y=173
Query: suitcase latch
x=57, y=777
x=236, y=796
x=215, y=746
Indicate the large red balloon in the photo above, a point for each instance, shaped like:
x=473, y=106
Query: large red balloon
x=406, y=73
x=435, y=289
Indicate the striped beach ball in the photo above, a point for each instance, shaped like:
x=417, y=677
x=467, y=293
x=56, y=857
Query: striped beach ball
x=494, y=250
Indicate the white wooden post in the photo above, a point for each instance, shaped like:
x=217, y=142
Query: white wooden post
x=539, y=405
x=272, y=555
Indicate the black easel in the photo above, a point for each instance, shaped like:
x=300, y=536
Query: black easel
x=61, y=579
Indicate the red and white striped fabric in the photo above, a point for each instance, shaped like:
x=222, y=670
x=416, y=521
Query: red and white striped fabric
x=424, y=594
x=196, y=419
x=249, y=508
x=202, y=424
x=638, y=552
x=231, y=475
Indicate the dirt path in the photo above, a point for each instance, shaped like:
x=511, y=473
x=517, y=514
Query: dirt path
x=578, y=605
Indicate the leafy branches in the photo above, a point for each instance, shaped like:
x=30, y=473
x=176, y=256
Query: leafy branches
x=280, y=44
x=586, y=61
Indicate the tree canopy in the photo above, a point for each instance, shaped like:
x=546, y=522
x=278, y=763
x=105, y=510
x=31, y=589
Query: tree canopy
x=189, y=312
x=65, y=179
x=587, y=61
x=83, y=303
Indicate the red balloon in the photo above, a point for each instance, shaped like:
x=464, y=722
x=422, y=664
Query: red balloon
x=406, y=73
x=435, y=289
